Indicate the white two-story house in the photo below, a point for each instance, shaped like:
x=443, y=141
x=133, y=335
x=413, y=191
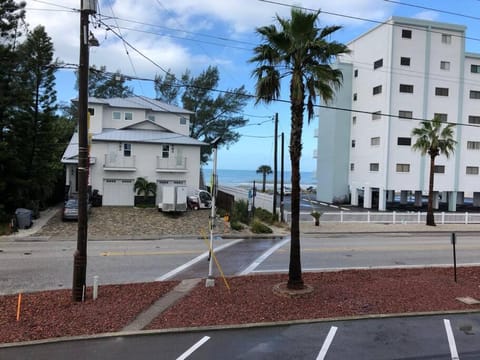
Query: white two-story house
x=131, y=138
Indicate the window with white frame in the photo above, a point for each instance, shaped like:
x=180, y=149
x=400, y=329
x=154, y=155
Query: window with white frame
x=404, y=141
x=374, y=166
x=151, y=117
x=128, y=115
x=439, y=169
x=353, y=143
x=405, y=61
x=473, y=145
x=403, y=168
x=474, y=94
x=127, y=149
x=474, y=68
x=375, y=141
x=441, y=91
x=406, y=34
x=183, y=120
x=406, y=88
x=377, y=90
x=473, y=119
x=116, y=115
x=442, y=116
x=472, y=170
x=165, y=151
x=378, y=64
x=355, y=97
x=355, y=73
x=405, y=114
x=377, y=115
x=352, y=166
x=446, y=39
x=445, y=65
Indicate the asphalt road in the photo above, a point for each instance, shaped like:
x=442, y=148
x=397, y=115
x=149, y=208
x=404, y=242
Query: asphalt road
x=434, y=337
x=41, y=265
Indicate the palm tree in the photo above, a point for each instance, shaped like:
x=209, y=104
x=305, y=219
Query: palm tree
x=264, y=170
x=142, y=186
x=300, y=50
x=433, y=139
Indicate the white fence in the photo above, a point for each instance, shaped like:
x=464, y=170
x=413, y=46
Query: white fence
x=391, y=217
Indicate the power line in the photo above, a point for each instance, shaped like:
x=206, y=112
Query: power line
x=433, y=9
x=57, y=5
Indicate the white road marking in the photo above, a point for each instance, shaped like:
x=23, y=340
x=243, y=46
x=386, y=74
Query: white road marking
x=451, y=340
x=263, y=257
x=190, y=351
x=194, y=261
x=327, y=343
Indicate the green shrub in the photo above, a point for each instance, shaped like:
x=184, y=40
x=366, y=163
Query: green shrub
x=240, y=212
x=235, y=225
x=260, y=228
x=264, y=215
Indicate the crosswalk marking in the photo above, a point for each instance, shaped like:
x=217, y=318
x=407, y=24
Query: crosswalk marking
x=194, y=347
x=451, y=340
x=327, y=343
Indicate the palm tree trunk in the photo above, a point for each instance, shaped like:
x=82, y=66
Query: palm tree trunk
x=264, y=181
x=430, y=216
x=295, y=280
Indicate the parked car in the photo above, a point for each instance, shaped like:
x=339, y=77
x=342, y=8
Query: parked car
x=201, y=200
x=70, y=209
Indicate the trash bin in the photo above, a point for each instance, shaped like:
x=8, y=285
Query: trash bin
x=24, y=218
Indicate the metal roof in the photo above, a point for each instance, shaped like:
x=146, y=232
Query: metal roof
x=139, y=102
x=146, y=136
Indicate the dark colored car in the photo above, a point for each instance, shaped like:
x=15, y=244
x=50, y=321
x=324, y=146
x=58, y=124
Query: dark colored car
x=70, y=209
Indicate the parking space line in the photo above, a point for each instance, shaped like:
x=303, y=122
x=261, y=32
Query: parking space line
x=262, y=257
x=194, y=261
x=327, y=343
x=451, y=340
x=193, y=348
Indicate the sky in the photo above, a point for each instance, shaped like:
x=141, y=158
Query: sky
x=176, y=35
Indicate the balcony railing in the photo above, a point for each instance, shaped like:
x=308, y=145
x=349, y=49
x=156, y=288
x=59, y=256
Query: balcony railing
x=171, y=163
x=119, y=163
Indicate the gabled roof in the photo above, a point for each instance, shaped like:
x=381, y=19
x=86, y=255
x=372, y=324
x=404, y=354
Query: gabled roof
x=139, y=102
x=145, y=125
x=146, y=136
x=71, y=152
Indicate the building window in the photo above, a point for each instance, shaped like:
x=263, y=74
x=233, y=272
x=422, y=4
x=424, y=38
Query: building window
x=352, y=166
x=473, y=145
x=354, y=120
x=404, y=88
x=446, y=39
x=404, y=114
x=439, y=169
x=472, y=119
x=442, y=116
x=91, y=111
x=127, y=150
x=353, y=143
x=374, y=166
x=128, y=116
x=406, y=34
x=375, y=141
x=165, y=151
x=474, y=94
x=151, y=117
x=404, y=141
x=439, y=91
x=475, y=69
x=377, y=115
x=116, y=115
x=355, y=73
x=183, y=121
x=472, y=170
x=378, y=64
x=355, y=97
x=405, y=61
x=403, y=168
x=445, y=65
x=377, y=90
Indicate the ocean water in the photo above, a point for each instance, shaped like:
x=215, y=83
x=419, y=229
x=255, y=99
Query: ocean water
x=246, y=177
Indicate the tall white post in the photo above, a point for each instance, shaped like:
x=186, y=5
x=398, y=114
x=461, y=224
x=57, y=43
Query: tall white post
x=210, y=280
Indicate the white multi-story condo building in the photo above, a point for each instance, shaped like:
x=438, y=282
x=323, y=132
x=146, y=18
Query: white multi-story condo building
x=397, y=74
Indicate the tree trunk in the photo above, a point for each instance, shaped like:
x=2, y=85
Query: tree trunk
x=264, y=181
x=295, y=280
x=430, y=216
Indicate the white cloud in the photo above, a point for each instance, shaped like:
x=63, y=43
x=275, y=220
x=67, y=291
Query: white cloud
x=427, y=15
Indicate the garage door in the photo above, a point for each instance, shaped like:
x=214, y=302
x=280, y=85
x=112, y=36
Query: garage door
x=118, y=192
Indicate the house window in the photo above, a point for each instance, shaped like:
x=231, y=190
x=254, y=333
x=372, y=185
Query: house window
x=403, y=168
x=406, y=34
x=116, y=115
x=183, y=121
x=355, y=97
x=353, y=143
x=445, y=65
x=127, y=150
x=439, y=169
x=378, y=64
x=151, y=117
x=355, y=73
x=439, y=91
x=472, y=170
x=473, y=145
x=475, y=69
x=404, y=141
x=405, y=61
x=128, y=116
x=474, y=94
x=377, y=90
x=404, y=114
x=442, y=116
x=352, y=166
x=375, y=141
x=472, y=119
x=354, y=120
x=91, y=111
x=165, y=151
x=376, y=115
x=446, y=39
x=374, y=166
x=404, y=88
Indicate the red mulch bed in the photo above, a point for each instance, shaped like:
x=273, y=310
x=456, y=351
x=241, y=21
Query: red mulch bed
x=49, y=314
x=251, y=299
